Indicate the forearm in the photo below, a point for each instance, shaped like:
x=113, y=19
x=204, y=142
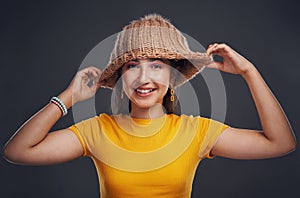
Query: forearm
x=37, y=127
x=274, y=122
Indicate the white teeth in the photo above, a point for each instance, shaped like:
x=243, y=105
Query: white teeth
x=143, y=91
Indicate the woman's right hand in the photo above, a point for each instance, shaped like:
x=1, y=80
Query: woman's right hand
x=32, y=144
x=85, y=84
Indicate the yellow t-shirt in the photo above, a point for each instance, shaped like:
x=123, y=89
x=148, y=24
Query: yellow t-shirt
x=144, y=157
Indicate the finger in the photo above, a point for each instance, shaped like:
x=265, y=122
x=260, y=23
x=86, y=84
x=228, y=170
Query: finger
x=221, y=53
x=211, y=47
x=88, y=78
x=92, y=74
x=92, y=69
x=96, y=85
x=96, y=74
x=217, y=46
x=221, y=50
x=215, y=65
x=97, y=70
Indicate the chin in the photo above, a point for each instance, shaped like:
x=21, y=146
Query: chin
x=146, y=104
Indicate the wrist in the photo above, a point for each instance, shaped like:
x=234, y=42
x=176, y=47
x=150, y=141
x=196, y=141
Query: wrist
x=251, y=72
x=66, y=98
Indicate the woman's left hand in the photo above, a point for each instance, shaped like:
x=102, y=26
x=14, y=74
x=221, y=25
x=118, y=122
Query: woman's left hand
x=233, y=62
x=276, y=138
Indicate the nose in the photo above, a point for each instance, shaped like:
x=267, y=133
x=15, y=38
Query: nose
x=143, y=75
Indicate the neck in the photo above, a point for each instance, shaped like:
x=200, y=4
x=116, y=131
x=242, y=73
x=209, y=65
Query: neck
x=147, y=113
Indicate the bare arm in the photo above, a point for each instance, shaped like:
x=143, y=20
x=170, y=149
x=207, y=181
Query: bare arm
x=32, y=144
x=276, y=137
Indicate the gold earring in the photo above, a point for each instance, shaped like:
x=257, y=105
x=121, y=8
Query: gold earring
x=172, y=98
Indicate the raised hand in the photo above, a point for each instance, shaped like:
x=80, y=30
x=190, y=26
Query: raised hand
x=32, y=144
x=276, y=137
x=232, y=63
x=85, y=84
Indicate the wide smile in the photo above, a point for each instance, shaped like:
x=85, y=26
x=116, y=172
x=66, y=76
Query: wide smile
x=144, y=92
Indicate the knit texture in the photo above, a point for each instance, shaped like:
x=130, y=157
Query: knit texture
x=153, y=37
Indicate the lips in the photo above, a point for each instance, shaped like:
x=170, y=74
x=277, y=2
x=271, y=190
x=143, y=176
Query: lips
x=144, y=91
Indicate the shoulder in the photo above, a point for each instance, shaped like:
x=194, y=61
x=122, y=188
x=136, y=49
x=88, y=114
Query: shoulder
x=203, y=123
x=93, y=121
x=185, y=120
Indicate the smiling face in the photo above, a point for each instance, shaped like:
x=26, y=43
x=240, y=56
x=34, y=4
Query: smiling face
x=145, y=82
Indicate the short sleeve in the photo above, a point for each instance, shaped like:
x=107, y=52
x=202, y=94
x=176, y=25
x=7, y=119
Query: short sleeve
x=209, y=132
x=85, y=132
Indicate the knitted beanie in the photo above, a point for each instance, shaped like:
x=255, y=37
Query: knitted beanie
x=153, y=37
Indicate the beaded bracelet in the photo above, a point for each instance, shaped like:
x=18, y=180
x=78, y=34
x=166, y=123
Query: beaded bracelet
x=60, y=104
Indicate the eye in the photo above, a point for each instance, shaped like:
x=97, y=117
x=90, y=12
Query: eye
x=131, y=66
x=156, y=66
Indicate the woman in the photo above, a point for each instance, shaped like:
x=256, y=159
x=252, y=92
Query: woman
x=138, y=151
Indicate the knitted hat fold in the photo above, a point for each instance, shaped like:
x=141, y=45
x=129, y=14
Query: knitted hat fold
x=153, y=37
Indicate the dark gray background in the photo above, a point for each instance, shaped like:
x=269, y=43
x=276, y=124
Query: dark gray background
x=43, y=44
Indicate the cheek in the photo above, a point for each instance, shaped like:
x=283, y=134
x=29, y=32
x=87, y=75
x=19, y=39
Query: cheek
x=162, y=78
x=127, y=79
x=127, y=84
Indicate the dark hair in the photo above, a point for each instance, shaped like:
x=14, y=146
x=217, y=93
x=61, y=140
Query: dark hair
x=123, y=105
